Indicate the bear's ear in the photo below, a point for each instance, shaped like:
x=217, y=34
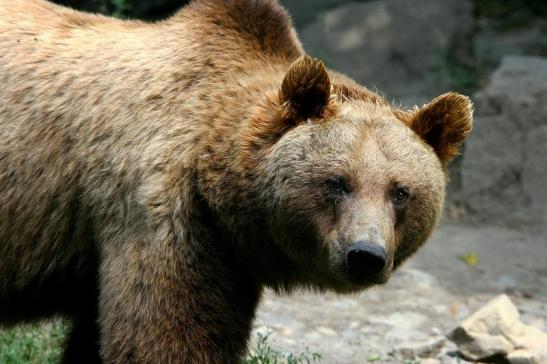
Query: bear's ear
x=305, y=90
x=443, y=123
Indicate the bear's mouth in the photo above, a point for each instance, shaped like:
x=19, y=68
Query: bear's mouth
x=370, y=280
x=344, y=282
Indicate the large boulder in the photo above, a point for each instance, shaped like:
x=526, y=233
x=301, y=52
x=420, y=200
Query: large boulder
x=407, y=49
x=504, y=171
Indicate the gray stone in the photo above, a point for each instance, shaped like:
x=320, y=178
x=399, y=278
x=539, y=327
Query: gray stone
x=506, y=155
x=305, y=11
x=430, y=361
x=491, y=45
x=422, y=349
x=528, y=357
x=399, y=46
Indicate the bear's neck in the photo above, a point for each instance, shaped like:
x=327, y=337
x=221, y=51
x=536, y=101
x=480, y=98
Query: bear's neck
x=229, y=173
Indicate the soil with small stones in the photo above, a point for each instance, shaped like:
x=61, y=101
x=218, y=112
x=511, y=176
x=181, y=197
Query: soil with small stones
x=406, y=320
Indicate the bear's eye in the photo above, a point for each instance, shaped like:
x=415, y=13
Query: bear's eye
x=338, y=185
x=400, y=196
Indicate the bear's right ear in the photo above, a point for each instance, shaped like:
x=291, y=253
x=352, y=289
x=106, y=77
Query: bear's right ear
x=443, y=123
x=305, y=91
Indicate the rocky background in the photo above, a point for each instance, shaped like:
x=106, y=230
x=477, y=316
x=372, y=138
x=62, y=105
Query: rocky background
x=493, y=239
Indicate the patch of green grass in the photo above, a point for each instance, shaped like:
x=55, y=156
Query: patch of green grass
x=41, y=343
x=263, y=353
x=32, y=343
x=411, y=361
x=373, y=358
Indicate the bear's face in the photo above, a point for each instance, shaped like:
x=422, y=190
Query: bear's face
x=354, y=190
x=354, y=196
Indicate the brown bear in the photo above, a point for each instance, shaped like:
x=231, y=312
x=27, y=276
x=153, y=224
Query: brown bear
x=154, y=178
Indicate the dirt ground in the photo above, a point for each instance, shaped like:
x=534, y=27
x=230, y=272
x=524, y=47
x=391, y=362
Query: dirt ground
x=406, y=320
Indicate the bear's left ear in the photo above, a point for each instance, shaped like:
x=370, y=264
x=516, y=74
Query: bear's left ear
x=305, y=90
x=443, y=123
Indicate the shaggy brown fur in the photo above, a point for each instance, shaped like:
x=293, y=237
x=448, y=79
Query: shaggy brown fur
x=154, y=177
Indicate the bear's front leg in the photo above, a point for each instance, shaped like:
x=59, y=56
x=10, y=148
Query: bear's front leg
x=174, y=302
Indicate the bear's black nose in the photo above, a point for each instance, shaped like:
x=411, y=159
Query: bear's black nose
x=365, y=259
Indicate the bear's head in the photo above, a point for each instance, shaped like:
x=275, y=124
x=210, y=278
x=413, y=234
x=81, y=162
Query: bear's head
x=352, y=186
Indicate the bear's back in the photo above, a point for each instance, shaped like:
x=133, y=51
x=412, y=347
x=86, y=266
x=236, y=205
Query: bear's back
x=264, y=24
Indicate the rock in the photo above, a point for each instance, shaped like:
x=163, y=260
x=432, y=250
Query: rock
x=528, y=357
x=484, y=333
x=509, y=141
x=452, y=360
x=430, y=361
x=305, y=11
x=490, y=44
x=402, y=47
x=421, y=349
x=496, y=330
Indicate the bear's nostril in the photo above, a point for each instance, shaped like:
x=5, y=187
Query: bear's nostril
x=365, y=259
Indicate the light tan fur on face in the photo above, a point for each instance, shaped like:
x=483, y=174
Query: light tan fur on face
x=155, y=177
x=368, y=145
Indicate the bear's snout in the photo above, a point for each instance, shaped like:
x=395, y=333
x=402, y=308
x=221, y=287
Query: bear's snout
x=365, y=259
